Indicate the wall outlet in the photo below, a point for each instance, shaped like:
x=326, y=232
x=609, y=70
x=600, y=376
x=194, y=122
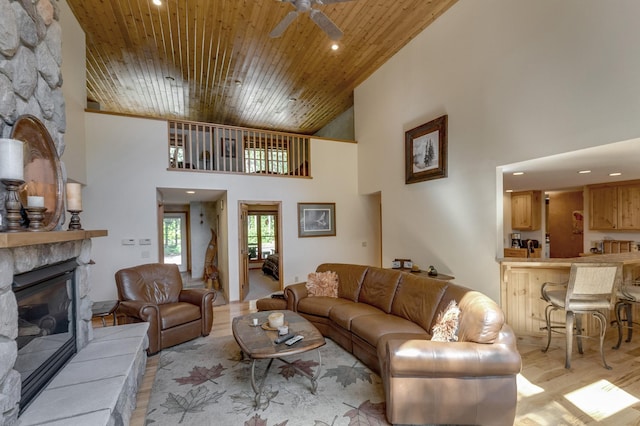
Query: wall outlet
x=295, y=278
x=145, y=254
x=364, y=244
x=128, y=242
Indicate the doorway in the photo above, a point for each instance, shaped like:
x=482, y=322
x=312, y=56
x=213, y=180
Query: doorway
x=175, y=238
x=260, y=249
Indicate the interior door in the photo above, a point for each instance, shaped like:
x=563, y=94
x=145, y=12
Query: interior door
x=244, y=250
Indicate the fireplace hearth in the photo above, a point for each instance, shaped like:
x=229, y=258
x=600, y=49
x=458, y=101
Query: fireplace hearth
x=46, y=325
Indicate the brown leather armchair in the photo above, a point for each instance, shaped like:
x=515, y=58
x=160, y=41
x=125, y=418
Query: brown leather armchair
x=153, y=293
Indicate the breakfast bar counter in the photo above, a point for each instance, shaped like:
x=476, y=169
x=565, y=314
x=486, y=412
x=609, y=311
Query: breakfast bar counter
x=522, y=278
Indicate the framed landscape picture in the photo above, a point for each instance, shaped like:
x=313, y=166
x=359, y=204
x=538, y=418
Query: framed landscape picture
x=316, y=219
x=426, y=151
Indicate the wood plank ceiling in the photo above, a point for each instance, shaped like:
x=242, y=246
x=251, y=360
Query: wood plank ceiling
x=213, y=60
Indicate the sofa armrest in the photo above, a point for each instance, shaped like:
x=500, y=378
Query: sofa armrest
x=196, y=296
x=424, y=358
x=293, y=293
x=146, y=312
x=203, y=298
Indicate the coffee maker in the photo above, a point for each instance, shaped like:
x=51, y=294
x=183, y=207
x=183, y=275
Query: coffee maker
x=516, y=240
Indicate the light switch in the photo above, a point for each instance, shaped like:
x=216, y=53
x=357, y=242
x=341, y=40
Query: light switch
x=128, y=242
x=145, y=241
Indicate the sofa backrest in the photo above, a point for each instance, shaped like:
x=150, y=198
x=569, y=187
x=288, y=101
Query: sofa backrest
x=417, y=299
x=379, y=287
x=349, y=278
x=152, y=283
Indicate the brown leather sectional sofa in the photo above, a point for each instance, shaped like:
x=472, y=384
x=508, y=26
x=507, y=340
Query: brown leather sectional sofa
x=384, y=317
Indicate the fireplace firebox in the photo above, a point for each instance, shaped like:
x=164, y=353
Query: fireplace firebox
x=46, y=325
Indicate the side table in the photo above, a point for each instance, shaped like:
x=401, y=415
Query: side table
x=104, y=309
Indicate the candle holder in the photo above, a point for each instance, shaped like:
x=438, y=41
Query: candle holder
x=12, y=204
x=74, y=223
x=36, y=215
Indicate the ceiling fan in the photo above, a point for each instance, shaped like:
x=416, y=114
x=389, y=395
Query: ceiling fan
x=317, y=16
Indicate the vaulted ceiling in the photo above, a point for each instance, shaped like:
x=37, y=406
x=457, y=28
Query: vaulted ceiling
x=214, y=61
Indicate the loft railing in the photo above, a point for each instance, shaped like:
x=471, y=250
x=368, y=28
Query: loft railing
x=216, y=148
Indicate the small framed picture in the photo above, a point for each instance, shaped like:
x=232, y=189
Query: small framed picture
x=316, y=220
x=426, y=151
x=228, y=147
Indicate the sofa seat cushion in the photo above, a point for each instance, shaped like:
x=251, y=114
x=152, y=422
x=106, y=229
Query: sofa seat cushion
x=173, y=314
x=319, y=305
x=371, y=328
x=345, y=313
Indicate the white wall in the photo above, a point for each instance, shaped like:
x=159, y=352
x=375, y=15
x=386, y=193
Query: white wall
x=127, y=160
x=74, y=90
x=519, y=79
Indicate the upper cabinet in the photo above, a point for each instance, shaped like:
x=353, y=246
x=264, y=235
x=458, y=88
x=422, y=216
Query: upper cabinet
x=615, y=206
x=526, y=210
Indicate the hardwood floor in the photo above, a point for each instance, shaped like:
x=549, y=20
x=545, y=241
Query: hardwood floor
x=548, y=394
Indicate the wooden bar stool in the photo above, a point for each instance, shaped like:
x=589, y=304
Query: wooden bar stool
x=627, y=296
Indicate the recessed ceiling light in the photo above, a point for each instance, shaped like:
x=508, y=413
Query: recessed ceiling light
x=292, y=99
x=191, y=192
x=335, y=46
x=238, y=83
x=157, y=2
x=509, y=190
x=584, y=172
x=615, y=174
x=518, y=173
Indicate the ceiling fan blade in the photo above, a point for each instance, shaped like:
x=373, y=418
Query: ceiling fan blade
x=326, y=24
x=282, y=26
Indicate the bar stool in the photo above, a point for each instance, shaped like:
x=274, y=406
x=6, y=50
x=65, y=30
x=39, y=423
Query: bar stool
x=591, y=289
x=627, y=296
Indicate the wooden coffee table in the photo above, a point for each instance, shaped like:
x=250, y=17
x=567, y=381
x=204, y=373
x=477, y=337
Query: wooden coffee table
x=258, y=343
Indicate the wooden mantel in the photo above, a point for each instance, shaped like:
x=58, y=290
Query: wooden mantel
x=20, y=239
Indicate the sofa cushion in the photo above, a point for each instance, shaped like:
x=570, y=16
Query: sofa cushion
x=379, y=287
x=481, y=319
x=173, y=314
x=344, y=314
x=320, y=305
x=371, y=328
x=322, y=284
x=349, y=278
x=417, y=299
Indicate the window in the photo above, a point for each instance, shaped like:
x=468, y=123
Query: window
x=266, y=156
x=261, y=235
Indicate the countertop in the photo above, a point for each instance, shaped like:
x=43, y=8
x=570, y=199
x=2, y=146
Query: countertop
x=624, y=258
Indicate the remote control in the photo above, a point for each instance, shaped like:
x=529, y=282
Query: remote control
x=281, y=339
x=294, y=340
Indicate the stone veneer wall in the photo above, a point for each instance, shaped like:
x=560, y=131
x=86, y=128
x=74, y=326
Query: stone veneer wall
x=30, y=73
x=15, y=261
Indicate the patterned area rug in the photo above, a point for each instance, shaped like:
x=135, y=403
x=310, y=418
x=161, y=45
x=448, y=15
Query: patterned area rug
x=205, y=382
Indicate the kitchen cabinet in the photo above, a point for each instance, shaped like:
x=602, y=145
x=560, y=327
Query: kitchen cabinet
x=615, y=206
x=526, y=209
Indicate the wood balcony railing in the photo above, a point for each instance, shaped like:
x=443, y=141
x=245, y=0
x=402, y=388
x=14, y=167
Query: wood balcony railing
x=216, y=148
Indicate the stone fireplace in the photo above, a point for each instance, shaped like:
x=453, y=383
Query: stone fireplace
x=20, y=260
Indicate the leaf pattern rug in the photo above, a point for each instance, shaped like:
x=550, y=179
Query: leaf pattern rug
x=205, y=382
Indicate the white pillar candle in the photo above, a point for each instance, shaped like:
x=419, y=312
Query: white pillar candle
x=35, y=201
x=11, y=159
x=74, y=197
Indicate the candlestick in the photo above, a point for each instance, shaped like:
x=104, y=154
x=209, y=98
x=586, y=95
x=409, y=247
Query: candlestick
x=74, y=197
x=36, y=215
x=35, y=201
x=11, y=159
x=12, y=204
x=74, y=223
